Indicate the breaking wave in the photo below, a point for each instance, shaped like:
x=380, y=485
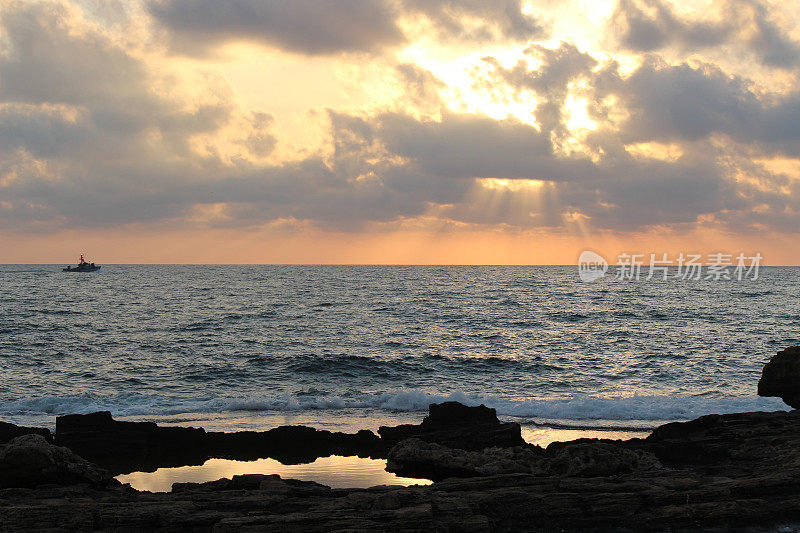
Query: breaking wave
x=574, y=410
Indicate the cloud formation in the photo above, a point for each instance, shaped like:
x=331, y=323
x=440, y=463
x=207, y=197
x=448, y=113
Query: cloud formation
x=94, y=131
x=651, y=25
x=477, y=20
x=335, y=26
x=302, y=26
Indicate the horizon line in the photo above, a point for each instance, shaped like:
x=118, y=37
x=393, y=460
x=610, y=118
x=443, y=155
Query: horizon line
x=643, y=266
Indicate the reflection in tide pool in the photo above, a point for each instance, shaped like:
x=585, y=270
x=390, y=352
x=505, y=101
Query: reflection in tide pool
x=544, y=436
x=335, y=471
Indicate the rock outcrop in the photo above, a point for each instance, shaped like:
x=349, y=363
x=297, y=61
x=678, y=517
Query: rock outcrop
x=456, y=425
x=598, y=459
x=127, y=446
x=29, y=461
x=11, y=431
x=781, y=377
x=292, y=444
x=130, y=446
x=263, y=482
x=417, y=458
x=735, y=445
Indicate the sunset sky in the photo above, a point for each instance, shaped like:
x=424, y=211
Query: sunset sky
x=397, y=131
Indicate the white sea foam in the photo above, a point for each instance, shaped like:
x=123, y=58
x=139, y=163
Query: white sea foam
x=576, y=410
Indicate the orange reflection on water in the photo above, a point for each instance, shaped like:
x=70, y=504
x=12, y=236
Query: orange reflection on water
x=334, y=471
x=544, y=436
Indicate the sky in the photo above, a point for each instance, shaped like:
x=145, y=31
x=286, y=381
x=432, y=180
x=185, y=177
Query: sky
x=397, y=131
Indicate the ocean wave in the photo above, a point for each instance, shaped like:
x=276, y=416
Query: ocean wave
x=576, y=410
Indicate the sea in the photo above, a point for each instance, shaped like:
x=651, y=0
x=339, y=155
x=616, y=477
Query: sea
x=348, y=347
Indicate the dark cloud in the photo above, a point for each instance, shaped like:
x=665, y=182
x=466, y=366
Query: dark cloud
x=767, y=39
x=464, y=145
x=260, y=141
x=550, y=80
x=478, y=20
x=475, y=146
x=643, y=193
x=303, y=26
x=422, y=87
x=314, y=27
x=685, y=103
x=558, y=67
x=681, y=102
x=44, y=63
x=646, y=31
x=42, y=133
x=651, y=25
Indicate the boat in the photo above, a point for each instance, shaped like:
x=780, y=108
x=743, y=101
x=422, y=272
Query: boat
x=83, y=266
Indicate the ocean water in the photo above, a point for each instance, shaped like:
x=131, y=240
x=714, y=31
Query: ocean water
x=248, y=346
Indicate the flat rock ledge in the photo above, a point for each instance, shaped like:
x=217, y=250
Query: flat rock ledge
x=417, y=458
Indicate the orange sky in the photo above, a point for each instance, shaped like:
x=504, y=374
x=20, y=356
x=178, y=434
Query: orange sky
x=227, y=246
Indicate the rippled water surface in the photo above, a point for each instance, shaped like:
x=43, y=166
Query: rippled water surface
x=534, y=342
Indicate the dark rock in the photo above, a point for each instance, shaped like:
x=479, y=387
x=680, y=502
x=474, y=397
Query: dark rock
x=455, y=415
x=781, y=377
x=135, y=446
x=391, y=435
x=456, y=425
x=292, y=444
x=10, y=431
x=733, y=444
x=272, y=483
x=127, y=446
x=596, y=459
x=416, y=458
x=30, y=460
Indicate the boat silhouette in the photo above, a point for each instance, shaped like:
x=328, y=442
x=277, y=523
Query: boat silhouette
x=83, y=266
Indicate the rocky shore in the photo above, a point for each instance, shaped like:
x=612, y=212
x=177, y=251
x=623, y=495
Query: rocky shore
x=736, y=471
